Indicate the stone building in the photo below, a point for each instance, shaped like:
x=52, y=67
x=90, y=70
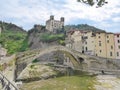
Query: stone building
x=104, y=45
x=100, y=44
x=55, y=25
x=89, y=43
x=74, y=40
x=110, y=45
x=117, y=45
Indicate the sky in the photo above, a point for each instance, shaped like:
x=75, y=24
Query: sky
x=26, y=13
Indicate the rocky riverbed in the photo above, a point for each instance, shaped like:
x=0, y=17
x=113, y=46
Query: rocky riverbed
x=107, y=82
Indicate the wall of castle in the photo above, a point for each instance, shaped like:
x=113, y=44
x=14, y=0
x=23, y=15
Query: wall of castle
x=52, y=24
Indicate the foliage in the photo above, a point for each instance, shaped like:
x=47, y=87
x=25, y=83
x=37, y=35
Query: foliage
x=82, y=27
x=62, y=42
x=99, y=3
x=35, y=61
x=24, y=45
x=48, y=37
x=32, y=66
x=12, y=37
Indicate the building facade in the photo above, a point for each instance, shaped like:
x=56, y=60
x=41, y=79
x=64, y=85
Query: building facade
x=100, y=44
x=74, y=40
x=105, y=45
x=117, y=45
x=110, y=45
x=54, y=25
x=89, y=43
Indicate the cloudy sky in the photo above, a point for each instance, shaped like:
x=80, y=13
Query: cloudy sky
x=26, y=13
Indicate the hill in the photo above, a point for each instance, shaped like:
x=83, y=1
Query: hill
x=39, y=37
x=12, y=37
x=83, y=27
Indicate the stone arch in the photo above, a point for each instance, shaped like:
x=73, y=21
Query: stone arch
x=81, y=59
x=37, y=53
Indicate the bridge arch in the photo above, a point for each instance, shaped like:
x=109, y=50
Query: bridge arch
x=23, y=59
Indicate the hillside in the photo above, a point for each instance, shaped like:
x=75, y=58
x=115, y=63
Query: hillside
x=39, y=37
x=12, y=37
x=83, y=27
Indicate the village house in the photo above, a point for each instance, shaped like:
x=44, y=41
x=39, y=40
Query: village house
x=89, y=43
x=100, y=44
x=74, y=40
x=117, y=45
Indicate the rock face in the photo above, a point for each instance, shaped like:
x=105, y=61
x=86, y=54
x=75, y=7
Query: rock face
x=34, y=37
x=3, y=51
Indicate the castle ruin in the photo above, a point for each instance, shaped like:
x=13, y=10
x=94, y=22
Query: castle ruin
x=54, y=25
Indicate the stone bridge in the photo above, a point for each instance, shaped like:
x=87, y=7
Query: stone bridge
x=81, y=62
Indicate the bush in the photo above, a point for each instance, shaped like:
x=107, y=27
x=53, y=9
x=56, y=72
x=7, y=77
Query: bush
x=47, y=37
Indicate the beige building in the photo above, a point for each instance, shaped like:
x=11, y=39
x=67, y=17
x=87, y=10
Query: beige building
x=104, y=45
x=110, y=45
x=74, y=40
x=100, y=44
x=89, y=43
x=54, y=25
x=117, y=45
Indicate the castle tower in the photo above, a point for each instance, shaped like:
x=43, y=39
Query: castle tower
x=62, y=19
x=55, y=25
x=51, y=17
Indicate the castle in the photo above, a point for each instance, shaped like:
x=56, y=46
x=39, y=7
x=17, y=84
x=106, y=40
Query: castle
x=55, y=25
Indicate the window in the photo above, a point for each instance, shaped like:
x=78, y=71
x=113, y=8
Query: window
x=99, y=43
x=86, y=48
x=110, y=53
x=100, y=51
x=111, y=47
x=117, y=53
x=107, y=36
x=107, y=41
x=117, y=35
x=99, y=37
x=85, y=42
x=118, y=41
x=119, y=46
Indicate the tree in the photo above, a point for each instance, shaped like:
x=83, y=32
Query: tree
x=99, y=3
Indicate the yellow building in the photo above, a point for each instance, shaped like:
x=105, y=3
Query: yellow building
x=110, y=45
x=104, y=45
x=100, y=44
x=89, y=43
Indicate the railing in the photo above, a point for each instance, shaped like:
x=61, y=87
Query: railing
x=6, y=84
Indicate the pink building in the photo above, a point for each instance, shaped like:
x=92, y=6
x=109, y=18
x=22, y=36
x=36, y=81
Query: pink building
x=117, y=45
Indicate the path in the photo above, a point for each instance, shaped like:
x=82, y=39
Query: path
x=107, y=82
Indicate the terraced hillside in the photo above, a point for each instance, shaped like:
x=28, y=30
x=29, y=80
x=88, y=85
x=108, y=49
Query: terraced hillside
x=12, y=37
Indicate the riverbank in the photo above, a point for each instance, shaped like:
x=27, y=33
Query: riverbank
x=107, y=82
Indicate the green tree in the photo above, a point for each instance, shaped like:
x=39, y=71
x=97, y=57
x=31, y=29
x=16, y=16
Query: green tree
x=99, y=3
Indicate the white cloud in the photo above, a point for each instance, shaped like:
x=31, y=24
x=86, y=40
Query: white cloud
x=38, y=11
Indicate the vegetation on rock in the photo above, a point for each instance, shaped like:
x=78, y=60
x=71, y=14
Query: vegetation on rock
x=12, y=37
